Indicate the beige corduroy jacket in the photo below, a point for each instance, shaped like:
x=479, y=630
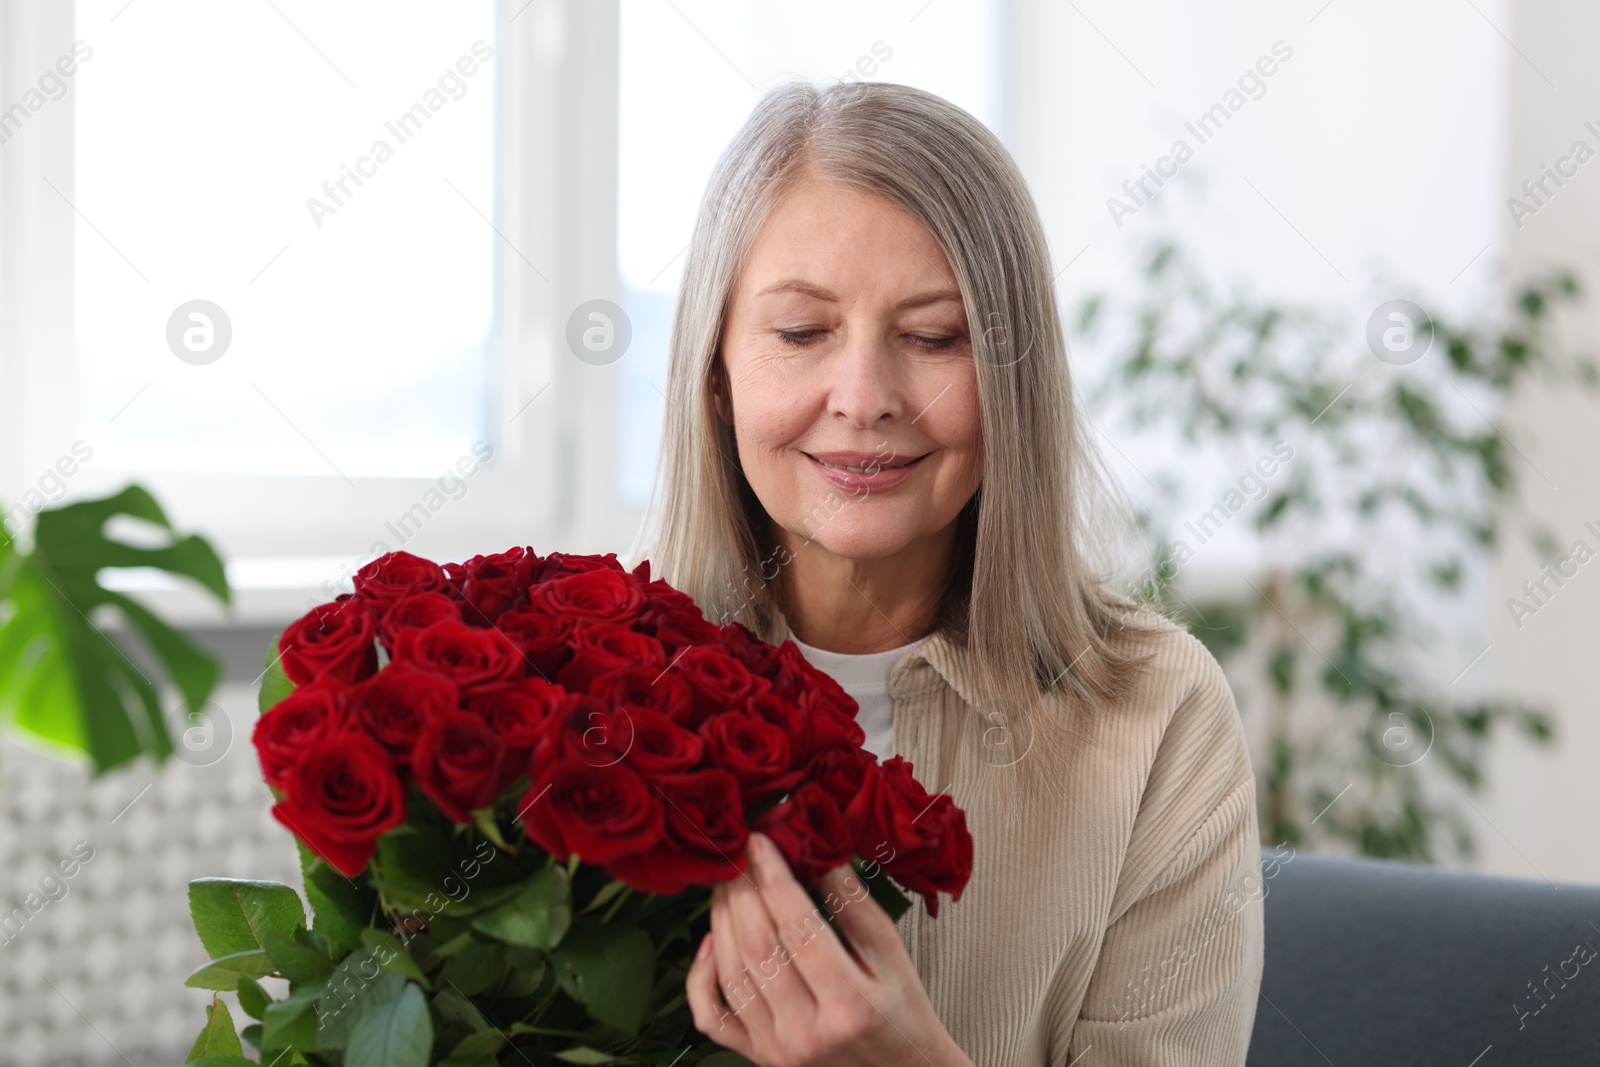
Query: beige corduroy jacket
x=1121, y=927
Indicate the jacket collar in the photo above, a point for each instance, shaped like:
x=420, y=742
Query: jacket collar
x=938, y=660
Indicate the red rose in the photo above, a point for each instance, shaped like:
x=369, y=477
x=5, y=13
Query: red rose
x=660, y=746
x=809, y=830
x=332, y=641
x=704, y=841
x=586, y=731
x=790, y=672
x=826, y=726
x=604, y=595
x=393, y=705
x=742, y=644
x=520, y=714
x=796, y=722
x=922, y=841
x=491, y=585
x=659, y=690
x=397, y=575
x=545, y=639
x=843, y=773
x=469, y=656
x=600, y=813
x=788, y=662
x=717, y=681
x=557, y=564
x=342, y=793
x=599, y=648
x=286, y=729
x=661, y=596
x=457, y=763
x=752, y=749
x=413, y=613
x=678, y=628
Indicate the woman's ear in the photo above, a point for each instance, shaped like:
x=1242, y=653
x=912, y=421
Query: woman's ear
x=719, y=392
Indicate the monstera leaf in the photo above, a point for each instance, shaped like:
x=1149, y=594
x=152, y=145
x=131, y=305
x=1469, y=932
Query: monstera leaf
x=64, y=681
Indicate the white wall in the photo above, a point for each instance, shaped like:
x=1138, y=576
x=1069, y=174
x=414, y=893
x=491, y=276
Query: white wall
x=1544, y=802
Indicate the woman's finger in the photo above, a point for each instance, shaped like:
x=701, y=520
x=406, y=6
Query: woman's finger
x=861, y=919
x=819, y=956
x=712, y=1017
x=766, y=951
x=739, y=987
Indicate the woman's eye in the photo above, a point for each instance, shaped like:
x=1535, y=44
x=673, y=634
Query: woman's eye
x=932, y=343
x=797, y=338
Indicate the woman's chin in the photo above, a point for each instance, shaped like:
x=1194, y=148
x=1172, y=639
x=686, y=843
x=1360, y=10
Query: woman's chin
x=860, y=540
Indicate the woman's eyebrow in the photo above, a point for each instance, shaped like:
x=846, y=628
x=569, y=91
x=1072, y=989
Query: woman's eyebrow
x=798, y=285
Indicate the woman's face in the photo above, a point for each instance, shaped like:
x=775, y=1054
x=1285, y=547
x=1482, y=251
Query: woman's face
x=846, y=345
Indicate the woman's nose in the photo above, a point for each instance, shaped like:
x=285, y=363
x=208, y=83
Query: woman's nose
x=865, y=387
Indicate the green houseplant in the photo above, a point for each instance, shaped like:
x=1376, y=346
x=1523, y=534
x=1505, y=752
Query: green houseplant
x=64, y=681
x=1380, y=489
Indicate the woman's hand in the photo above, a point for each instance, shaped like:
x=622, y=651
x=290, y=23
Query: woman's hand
x=796, y=995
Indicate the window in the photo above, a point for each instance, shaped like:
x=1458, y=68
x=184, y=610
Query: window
x=327, y=209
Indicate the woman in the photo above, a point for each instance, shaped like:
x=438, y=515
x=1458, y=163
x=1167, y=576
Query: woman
x=872, y=448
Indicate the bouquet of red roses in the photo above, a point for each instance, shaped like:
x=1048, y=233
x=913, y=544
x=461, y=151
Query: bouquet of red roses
x=514, y=782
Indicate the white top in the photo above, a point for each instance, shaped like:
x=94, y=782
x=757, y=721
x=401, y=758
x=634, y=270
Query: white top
x=865, y=676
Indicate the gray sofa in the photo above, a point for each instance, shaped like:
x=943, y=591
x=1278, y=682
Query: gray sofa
x=1379, y=962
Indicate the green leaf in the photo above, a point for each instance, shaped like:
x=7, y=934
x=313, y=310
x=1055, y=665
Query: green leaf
x=233, y=915
x=224, y=972
x=457, y=1009
x=484, y=819
x=395, y=1033
x=219, y=1037
x=883, y=890
x=412, y=864
x=65, y=682
x=584, y=1054
x=297, y=961
x=275, y=684
x=609, y=969
x=342, y=908
x=538, y=917
x=358, y=983
x=252, y=998
x=291, y=1023
x=481, y=1044
x=606, y=892
x=476, y=968
x=393, y=955
x=222, y=1061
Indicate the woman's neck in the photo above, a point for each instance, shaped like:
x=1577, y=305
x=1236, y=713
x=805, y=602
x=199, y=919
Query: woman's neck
x=849, y=605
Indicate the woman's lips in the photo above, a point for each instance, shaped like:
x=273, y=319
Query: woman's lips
x=869, y=480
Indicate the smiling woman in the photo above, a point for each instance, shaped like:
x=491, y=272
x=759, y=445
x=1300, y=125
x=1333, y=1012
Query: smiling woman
x=872, y=445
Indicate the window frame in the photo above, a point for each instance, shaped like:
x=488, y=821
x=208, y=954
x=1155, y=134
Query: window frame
x=553, y=478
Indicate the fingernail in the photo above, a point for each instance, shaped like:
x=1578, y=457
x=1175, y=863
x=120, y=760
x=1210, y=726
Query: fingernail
x=705, y=948
x=760, y=847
